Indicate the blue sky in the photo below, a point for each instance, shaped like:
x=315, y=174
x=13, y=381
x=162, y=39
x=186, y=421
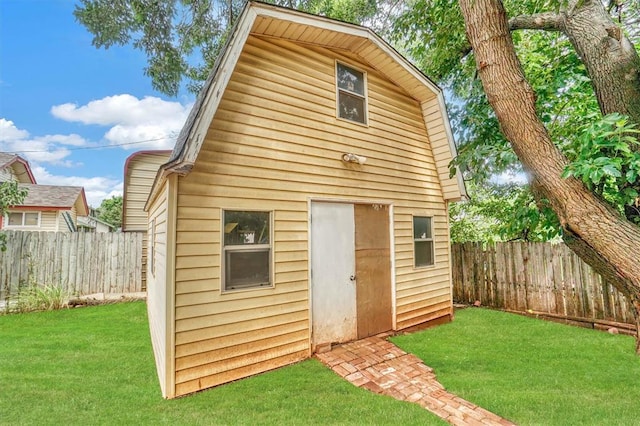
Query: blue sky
x=61, y=99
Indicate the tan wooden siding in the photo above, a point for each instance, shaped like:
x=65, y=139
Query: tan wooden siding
x=139, y=176
x=433, y=116
x=157, y=287
x=140, y=172
x=274, y=143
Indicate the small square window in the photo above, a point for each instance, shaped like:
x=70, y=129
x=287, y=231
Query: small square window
x=31, y=219
x=15, y=219
x=246, y=268
x=352, y=101
x=247, y=249
x=423, y=249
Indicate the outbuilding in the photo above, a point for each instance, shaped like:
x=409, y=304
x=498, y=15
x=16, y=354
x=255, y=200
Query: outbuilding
x=304, y=205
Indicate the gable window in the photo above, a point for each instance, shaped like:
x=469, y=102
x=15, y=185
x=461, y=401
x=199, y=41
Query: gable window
x=423, y=253
x=246, y=249
x=352, y=99
x=23, y=219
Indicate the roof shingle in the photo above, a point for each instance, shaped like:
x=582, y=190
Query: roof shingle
x=51, y=196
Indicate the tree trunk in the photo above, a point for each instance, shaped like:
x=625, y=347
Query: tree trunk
x=596, y=232
x=611, y=60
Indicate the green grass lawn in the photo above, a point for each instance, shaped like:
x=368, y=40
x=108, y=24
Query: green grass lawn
x=531, y=371
x=94, y=365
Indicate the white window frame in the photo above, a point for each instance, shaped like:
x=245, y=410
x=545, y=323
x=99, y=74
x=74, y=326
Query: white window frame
x=422, y=240
x=245, y=248
x=24, y=213
x=363, y=96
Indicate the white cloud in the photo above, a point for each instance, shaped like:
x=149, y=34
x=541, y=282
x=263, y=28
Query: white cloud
x=130, y=119
x=9, y=131
x=96, y=188
x=126, y=119
x=50, y=149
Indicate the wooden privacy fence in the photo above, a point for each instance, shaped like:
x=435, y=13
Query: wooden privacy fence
x=540, y=277
x=80, y=262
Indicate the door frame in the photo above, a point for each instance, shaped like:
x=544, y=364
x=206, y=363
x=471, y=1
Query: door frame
x=392, y=256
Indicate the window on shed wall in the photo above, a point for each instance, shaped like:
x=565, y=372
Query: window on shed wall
x=352, y=98
x=423, y=252
x=246, y=249
x=31, y=219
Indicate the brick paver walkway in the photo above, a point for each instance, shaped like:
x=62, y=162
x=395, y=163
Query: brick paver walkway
x=380, y=366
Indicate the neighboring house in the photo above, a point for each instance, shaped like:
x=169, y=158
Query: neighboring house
x=139, y=172
x=14, y=167
x=46, y=207
x=92, y=223
x=305, y=203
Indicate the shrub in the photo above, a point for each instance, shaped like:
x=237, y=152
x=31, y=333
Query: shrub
x=41, y=298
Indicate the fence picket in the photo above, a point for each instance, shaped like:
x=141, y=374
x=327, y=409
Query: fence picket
x=80, y=263
x=544, y=277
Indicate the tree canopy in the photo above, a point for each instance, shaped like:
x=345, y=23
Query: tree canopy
x=182, y=38
x=433, y=34
x=110, y=211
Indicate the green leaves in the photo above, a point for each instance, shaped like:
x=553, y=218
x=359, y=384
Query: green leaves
x=10, y=195
x=183, y=38
x=606, y=157
x=502, y=212
x=110, y=211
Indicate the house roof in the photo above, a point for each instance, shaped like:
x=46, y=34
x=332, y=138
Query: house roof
x=160, y=155
x=56, y=197
x=20, y=166
x=276, y=21
x=90, y=222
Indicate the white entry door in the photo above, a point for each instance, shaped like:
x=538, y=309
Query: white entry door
x=333, y=284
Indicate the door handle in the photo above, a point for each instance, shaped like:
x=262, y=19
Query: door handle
x=352, y=277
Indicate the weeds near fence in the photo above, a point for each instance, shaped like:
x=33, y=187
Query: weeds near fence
x=40, y=298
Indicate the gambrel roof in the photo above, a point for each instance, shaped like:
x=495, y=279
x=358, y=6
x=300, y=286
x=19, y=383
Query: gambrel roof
x=300, y=27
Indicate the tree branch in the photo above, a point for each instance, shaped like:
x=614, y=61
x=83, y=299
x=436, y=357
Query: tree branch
x=546, y=21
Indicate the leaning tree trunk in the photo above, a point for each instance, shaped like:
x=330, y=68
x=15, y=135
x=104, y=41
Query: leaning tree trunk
x=612, y=63
x=596, y=232
x=611, y=60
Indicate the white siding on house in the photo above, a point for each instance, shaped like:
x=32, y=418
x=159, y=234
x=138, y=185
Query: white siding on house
x=62, y=223
x=49, y=221
x=7, y=173
x=274, y=144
